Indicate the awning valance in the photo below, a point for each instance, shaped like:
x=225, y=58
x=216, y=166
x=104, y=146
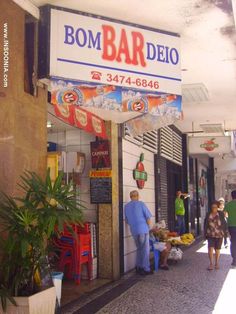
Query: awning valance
x=141, y=110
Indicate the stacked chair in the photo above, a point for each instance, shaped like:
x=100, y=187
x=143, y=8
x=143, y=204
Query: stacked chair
x=75, y=250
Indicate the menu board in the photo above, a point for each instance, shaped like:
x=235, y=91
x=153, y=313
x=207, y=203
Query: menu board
x=100, y=190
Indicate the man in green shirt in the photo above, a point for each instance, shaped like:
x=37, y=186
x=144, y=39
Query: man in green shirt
x=230, y=209
x=180, y=211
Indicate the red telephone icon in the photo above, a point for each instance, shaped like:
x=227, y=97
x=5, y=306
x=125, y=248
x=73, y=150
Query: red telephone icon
x=96, y=75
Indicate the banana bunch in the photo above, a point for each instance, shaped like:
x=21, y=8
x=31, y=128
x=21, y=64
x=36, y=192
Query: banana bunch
x=187, y=238
x=176, y=242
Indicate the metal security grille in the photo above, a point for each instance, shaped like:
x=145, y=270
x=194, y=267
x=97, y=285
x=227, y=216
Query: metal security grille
x=163, y=189
x=148, y=140
x=171, y=145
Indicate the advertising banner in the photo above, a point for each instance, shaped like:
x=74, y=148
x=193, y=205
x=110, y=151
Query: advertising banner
x=159, y=110
x=100, y=154
x=81, y=118
x=154, y=110
x=96, y=49
x=207, y=145
x=85, y=94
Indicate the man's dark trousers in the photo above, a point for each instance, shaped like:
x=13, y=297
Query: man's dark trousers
x=232, y=231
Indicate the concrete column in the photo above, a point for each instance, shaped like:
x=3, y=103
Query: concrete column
x=108, y=218
x=23, y=133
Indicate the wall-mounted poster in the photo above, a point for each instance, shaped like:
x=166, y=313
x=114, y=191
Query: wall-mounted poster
x=100, y=154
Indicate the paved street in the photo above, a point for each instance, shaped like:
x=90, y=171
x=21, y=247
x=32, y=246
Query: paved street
x=187, y=287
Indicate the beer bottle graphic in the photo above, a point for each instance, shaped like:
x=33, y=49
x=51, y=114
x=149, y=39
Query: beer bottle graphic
x=89, y=92
x=147, y=102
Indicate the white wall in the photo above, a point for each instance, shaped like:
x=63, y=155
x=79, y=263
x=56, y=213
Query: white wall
x=225, y=171
x=79, y=141
x=131, y=154
x=223, y=165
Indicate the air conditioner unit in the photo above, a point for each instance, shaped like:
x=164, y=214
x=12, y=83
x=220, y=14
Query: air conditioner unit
x=193, y=93
x=212, y=128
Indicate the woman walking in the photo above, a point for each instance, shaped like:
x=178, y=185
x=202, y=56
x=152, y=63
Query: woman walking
x=215, y=229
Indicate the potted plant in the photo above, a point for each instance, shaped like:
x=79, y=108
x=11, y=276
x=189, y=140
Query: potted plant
x=27, y=226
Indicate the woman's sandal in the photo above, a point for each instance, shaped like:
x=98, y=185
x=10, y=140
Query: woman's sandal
x=210, y=268
x=217, y=267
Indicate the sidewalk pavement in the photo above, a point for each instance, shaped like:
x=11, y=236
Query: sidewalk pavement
x=188, y=287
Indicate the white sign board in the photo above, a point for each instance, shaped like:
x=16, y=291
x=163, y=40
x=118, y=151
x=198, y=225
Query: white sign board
x=97, y=50
x=209, y=145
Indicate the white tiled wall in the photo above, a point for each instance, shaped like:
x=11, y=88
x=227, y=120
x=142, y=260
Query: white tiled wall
x=79, y=141
x=131, y=154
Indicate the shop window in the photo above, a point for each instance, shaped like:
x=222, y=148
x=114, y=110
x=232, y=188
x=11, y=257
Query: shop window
x=30, y=65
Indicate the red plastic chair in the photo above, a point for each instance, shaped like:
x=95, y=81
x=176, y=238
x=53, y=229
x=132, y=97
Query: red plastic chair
x=74, y=252
x=66, y=260
x=83, y=256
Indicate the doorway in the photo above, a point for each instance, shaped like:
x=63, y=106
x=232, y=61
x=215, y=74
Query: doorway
x=174, y=177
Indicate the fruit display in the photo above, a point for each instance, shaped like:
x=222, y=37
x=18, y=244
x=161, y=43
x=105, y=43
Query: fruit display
x=165, y=235
x=187, y=238
x=172, y=234
x=175, y=241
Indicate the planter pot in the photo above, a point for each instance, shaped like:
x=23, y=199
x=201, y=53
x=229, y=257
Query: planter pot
x=40, y=303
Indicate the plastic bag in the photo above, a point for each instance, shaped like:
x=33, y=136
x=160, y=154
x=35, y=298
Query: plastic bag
x=176, y=254
x=161, y=224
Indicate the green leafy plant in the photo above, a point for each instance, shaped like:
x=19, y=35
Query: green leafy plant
x=27, y=227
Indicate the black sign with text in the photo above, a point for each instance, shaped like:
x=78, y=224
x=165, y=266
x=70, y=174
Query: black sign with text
x=100, y=190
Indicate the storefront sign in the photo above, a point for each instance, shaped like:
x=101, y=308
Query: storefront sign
x=100, y=154
x=200, y=145
x=100, y=173
x=209, y=145
x=88, y=48
x=139, y=173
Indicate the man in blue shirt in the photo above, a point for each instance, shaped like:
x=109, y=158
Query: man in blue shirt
x=137, y=215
